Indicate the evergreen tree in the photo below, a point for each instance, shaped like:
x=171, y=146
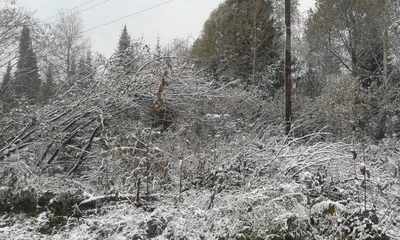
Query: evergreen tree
x=27, y=79
x=81, y=69
x=124, y=51
x=89, y=65
x=124, y=41
x=72, y=69
x=239, y=38
x=83, y=76
x=49, y=88
x=158, y=51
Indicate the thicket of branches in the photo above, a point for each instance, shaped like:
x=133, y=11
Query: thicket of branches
x=153, y=127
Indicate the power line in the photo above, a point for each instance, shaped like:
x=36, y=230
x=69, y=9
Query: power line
x=83, y=4
x=42, y=49
x=83, y=10
x=130, y=15
x=13, y=51
x=93, y=6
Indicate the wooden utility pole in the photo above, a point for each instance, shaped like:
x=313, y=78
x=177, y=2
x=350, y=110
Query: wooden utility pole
x=288, y=70
x=385, y=43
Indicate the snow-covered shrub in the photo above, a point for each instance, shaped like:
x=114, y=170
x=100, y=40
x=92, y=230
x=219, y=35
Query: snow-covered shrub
x=382, y=108
x=332, y=219
x=308, y=117
x=340, y=103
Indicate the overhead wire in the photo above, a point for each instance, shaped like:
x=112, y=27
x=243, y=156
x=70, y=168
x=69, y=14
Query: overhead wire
x=83, y=4
x=127, y=16
x=71, y=9
x=42, y=49
x=113, y=21
x=96, y=5
x=130, y=15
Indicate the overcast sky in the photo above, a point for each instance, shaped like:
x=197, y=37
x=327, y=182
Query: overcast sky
x=174, y=19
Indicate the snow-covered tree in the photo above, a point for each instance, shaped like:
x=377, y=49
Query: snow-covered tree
x=27, y=79
x=124, y=41
x=68, y=37
x=239, y=38
x=48, y=86
x=11, y=20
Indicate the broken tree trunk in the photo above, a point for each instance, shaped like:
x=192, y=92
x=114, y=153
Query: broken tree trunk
x=83, y=154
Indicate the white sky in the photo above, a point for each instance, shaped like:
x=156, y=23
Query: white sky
x=176, y=19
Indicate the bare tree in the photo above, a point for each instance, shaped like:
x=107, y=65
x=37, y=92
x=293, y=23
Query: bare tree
x=68, y=37
x=350, y=33
x=180, y=46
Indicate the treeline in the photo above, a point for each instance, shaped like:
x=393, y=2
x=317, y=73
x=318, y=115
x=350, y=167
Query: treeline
x=354, y=45
x=43, y=61
x=344, y=59
x=47, y=58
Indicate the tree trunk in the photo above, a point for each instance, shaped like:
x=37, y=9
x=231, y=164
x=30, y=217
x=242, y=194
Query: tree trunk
x=68, y=58
x=353, y=36
x=288, y=70
x=255, y=48
x=253, y=75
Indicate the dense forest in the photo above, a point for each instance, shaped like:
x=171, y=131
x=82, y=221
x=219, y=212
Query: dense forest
x=188, y=141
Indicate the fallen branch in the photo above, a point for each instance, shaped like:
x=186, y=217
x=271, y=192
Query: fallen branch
x=93, y=202
x=70, y=124
x=83, y=155
x=45, y=153
x=73, y=134
x=67, y=111
x=11, y=150
x=73, y=120
x=61, y=115
x=30, y=124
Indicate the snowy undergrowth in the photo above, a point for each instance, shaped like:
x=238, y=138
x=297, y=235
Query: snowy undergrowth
x=218, y=167
x=281, y=187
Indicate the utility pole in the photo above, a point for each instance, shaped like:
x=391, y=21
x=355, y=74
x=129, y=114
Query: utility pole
x=385, y=43
x=288, y=70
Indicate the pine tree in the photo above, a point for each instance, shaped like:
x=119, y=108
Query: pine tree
x=158, y=51
x=49, y=88
x=89, y=65
x=124, y=41
x=124, y=51
x=81, y=68
x=27, y=79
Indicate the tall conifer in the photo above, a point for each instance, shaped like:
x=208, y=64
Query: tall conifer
x=27, y=79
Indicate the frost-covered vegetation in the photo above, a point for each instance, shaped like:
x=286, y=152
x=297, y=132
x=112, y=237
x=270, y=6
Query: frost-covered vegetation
x=188, y=142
